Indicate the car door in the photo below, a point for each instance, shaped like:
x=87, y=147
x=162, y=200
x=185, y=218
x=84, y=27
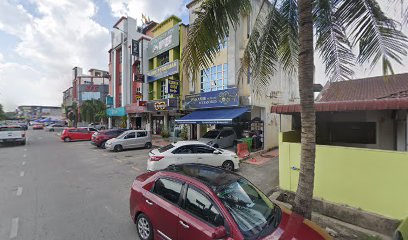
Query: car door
x=199, y=216
x=205, y=155
x=161, y=205
x=75, y=134
x=183, y=154
x=129, y=141
x=141, y=139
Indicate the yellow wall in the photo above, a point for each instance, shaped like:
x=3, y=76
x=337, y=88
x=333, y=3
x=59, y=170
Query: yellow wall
x=373, y=180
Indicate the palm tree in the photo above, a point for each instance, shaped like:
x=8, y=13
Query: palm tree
x=90, y=108
x=283, y=36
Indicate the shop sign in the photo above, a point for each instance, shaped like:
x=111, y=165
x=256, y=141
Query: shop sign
x=138, y=107
x=165, y=70
x=135, y=48
x=221, y=98
x=164, y=42
x=162, y=105
x=116, y=112
x=173, y=87
x=109, y=100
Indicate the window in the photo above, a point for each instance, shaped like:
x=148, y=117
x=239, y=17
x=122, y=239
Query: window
x=168, y=189
x=141, y=134
x=200, y=206
x=82, y=130
x=93, y=129
x=10, y=129
x=214, y=78
x=120, y=56
x=72, y=130
x=163, y=89
x=163, y=58
x=186, y=149
x=165, y=148
x=138, y=90
x=211, y=134
x=203, y=149
x=223, y=44
x=227, y=133
x=353, y=132
x=130, y=135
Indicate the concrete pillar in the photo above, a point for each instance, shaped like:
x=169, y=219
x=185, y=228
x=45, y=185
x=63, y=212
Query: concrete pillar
x=128, y=122
x=198, y=131
x=109, y=122
x=166, y=121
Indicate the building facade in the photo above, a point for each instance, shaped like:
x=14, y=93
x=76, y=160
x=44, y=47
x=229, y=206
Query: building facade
x=166, y=85
x=94, y=85
x=32, y=112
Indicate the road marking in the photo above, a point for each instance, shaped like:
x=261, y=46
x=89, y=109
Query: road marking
x=23, y=163
x=14, y=228
x=95, y=150
x=25, y=155
x=119, y=161
x=135, y=168
x=19, y=191
x=22, y=174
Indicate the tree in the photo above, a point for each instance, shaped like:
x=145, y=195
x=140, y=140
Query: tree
x=90, y=108
x=2, y=115
x=282, y=37
x=71, y=113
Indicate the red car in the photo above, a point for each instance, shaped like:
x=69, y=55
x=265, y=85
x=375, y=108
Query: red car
x=99, y=139
x=38, y=126
x=73, y=134
x=195, y=201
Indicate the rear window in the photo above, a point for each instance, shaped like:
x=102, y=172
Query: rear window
x=10, y=129
x=165, y=148
x=211, y=134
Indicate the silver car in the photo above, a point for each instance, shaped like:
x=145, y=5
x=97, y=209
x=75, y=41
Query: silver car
x=219, y=138
x=130, y=139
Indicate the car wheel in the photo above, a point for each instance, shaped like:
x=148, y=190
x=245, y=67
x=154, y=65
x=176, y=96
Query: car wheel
x=118, y=148
x=23, y=143
x=228, y=165
x=67, y=139
x=103, y=145
x=144, y=227
x=148, y=145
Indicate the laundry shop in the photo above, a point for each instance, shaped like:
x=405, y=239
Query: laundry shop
x=215, y=110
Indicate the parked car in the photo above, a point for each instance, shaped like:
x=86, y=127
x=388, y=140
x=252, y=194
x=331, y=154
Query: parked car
x=130, y=139
x=12, y=134
x=55, y=127
x=222, y=138
x=195, y=201
x=191, y=152
x=73, y=134
x=99, y=139
x=23, y=126
x=38, y=126
x=97, y=126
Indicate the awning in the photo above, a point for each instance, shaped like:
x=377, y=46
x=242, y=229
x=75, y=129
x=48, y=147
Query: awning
x=214, y=116
x=346, y=106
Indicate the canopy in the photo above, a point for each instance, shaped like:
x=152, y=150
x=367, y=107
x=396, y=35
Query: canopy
x=213, y=116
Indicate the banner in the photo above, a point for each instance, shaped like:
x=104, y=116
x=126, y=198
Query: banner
x=173, y=87
x=163, y=71
x=221, y=98
x=167, y=104
x=164, y=42
x=116, y=112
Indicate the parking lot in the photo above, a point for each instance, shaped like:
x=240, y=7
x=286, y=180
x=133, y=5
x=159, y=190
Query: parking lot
x=55, y=190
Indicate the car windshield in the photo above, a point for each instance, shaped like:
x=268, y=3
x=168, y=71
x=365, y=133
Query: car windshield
x=211, y=134
x=122, y=135
x=165, y=148
x=249, y=207
x=10, y=129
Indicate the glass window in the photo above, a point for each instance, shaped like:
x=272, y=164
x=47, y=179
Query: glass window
x=93, y=129
x=168, y=189
x=141, y=134
x=214, y=78
x=130, y=135
x=186, y=149
x=10, y=129
x=211, y=134
x=202, y=207
x=163, y=89
x=226, y=133
x=165, y=148
x=203, y=149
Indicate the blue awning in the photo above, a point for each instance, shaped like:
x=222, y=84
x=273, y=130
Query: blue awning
x=214, y=116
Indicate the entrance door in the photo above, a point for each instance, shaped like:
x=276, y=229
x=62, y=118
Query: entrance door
x=138, y=123
x=157, y=124
x=194, y=131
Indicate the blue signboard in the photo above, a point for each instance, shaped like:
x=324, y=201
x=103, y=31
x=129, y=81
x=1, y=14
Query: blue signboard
x=221, y=98
x=173, y=87
x=163, y=71
x=109, y=100
x=116, y=112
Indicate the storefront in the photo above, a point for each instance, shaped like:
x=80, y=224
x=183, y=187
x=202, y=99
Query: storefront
x=116, y=117
x=164, y=113
x=137, y=114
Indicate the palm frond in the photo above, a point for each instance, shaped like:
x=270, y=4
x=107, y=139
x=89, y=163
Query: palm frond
x=377, y=35
x=288, y=50
x=332, y=41
x=212, y=25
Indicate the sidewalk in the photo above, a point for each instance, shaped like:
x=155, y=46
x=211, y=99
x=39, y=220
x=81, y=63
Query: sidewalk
x=159, y=141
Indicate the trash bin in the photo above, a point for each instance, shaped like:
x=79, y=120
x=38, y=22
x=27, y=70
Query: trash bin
x=247, y=140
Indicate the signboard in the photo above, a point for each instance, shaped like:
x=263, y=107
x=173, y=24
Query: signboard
x=164, y=42
x=90, y=95
x=91, y=88
x=165, y=70
x=116, y=112
x=135, y=47
x=173, y=87
x=221, y=98
x=162, y=105
x=109, y=100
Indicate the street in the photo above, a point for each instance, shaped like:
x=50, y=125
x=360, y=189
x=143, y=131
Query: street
x=51, y=190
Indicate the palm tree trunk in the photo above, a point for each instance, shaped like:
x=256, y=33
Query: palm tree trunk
x=304, y=193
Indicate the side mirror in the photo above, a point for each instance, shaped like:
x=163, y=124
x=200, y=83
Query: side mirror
x=219, y=233
x=216, y=152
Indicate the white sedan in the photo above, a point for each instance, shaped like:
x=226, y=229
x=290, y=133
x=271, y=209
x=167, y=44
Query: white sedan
x=191, y=152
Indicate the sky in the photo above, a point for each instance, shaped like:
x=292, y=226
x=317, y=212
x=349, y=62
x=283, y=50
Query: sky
x=42, y=40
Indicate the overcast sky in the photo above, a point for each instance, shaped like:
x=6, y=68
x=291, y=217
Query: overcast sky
x=42, y=40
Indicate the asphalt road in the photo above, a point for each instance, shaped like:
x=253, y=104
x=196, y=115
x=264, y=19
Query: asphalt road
x=51, y=190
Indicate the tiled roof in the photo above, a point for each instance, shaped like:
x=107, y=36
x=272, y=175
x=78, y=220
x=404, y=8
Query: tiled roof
x=366, y=89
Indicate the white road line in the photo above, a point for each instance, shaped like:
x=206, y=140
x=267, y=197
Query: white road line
x=23, y=163
x=14, y=228
x=25, y=155
x=19, y=191
x=135, y=168
x=22, y=174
